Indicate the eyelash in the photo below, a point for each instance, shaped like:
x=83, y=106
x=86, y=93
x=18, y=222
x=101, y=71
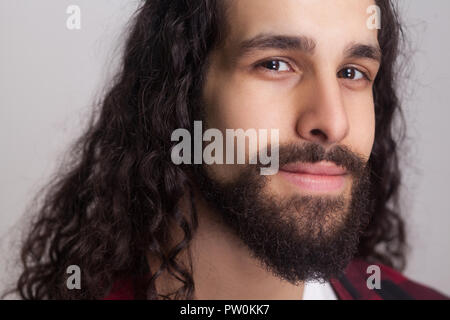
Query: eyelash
x=262, y=63
x=364, y=74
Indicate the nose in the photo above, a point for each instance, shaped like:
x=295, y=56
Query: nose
x=323, y=118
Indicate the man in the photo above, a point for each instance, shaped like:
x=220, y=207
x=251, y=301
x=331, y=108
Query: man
x=140, y=225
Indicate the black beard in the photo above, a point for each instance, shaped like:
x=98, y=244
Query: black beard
x=301, y=238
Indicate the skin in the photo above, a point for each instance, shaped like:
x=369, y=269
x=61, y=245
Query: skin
x=303, y=94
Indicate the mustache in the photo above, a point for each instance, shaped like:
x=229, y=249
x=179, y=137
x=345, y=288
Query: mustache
x=354, y=162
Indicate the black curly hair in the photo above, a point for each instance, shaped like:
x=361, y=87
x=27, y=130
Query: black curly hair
x=116, y=200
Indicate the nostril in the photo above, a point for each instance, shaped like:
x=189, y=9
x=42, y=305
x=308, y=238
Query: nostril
x=318, y=132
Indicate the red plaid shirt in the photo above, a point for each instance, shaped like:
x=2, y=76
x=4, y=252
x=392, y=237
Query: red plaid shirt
x=351, y=286
x=394, y=286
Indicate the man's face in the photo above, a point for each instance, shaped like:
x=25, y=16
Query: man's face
x=306, y=68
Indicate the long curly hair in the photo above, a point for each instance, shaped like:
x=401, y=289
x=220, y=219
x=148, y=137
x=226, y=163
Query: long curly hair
x=116, y=199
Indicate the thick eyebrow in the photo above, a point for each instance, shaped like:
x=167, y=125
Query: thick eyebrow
x=357, y=50
x=305, y=44
x=281, y=42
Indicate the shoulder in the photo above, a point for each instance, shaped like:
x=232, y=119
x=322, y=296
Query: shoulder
x=392, y=284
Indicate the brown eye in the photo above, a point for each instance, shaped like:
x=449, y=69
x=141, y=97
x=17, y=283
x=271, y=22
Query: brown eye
x=352, y=74
x=276, y=65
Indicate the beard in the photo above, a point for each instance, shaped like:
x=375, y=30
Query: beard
x=301, y=237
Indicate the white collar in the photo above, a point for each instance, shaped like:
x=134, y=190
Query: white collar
x=314, y=290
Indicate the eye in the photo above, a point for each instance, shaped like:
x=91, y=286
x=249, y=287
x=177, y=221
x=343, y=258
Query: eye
x=275, y=65
x=352, y=74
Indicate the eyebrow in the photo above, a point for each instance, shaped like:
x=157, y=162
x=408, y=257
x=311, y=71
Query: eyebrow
x=306, y=45
x=282, y=42
x=368, y=51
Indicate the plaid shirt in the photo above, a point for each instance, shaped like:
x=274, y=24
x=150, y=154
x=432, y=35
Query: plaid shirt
x=351, y=286
x=393, y=285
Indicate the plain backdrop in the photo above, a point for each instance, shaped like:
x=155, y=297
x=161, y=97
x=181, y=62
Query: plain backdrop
x=50, y=76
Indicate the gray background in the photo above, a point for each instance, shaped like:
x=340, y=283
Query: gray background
x=49, y=77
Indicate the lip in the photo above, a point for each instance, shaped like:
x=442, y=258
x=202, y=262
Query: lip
x=318, y=177
x=323, y=168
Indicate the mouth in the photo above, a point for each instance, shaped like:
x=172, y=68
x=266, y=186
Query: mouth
x=322, y=177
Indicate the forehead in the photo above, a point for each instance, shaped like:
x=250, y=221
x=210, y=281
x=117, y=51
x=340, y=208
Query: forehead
x=328, y=22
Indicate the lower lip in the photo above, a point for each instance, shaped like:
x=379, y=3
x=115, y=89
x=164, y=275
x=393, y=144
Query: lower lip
x=314, y=182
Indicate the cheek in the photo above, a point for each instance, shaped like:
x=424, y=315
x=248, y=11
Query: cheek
x=237, y=102
x=362, y=125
